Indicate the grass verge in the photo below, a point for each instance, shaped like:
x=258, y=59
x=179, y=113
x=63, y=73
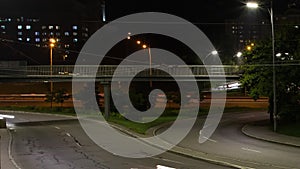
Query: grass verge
x=140, y=127
x=168, y=116
x=292, y=129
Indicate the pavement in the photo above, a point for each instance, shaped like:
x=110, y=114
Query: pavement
x=263, y=132
x=254, y=130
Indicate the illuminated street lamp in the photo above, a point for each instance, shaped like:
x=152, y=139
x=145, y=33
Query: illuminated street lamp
x=52, y=42
x=239, y=54
x=214, y=53
x=252, y=5
x=255, y=5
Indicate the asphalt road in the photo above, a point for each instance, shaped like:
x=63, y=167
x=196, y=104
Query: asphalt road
x=62, y=144
x=229, y=144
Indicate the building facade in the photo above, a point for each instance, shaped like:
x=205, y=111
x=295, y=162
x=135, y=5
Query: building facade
x=30, y=37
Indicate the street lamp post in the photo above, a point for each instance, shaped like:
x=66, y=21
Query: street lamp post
x=150, y=59
x=51, y=45
x=255, y=5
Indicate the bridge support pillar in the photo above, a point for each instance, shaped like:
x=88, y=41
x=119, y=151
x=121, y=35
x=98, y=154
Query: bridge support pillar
x=106, y=86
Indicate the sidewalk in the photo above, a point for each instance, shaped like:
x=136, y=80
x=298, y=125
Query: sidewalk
x=263, y=132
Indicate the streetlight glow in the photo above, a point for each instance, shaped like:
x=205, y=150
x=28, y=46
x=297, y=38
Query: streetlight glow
x=214, y=52
x=138, y=42
x=249, y=48
x=239, y=54
x=52, y=40
x=252, y=5
x=144, y=46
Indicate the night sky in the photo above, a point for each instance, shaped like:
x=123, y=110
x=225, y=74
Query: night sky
x=208, y=11
x=210, y=15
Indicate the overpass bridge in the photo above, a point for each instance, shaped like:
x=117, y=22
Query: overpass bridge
x=106, y=72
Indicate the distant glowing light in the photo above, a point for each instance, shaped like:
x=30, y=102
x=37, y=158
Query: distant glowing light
x=214, y=52
x=249, y=48
x=239, y=54
x=278, y=55
x=252, y=5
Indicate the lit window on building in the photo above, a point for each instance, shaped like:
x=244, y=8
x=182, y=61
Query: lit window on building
x=2, y=26
x=67, y=45
x=85, y=29
x=20, y=33
x=3, y=32
x=45, y=39
x=58, y=40
x=37, y=39
x=19, y=26
x=28, y=39
x=75, y=33
x=44, y=27
x=75, y=40
x=85, y=35
x=75, y=27
x=51, y=33
x=28, y=27
x=20, y=39
x=9, y=19
x=67, y=34
x=241, y=41
x=57, y=34
x=57, y=27
x=37, y=33
x=51, y=27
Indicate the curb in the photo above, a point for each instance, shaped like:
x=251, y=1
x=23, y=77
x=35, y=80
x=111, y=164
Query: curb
x=267, y=140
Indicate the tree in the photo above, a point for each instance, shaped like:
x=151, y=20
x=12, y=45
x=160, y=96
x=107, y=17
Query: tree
x=257, y=75
x=58, y=96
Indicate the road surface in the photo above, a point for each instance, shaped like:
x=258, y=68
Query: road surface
x=231, y=145
x=60, y=143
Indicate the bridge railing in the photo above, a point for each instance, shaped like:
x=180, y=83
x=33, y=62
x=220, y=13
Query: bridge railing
x=128, y=70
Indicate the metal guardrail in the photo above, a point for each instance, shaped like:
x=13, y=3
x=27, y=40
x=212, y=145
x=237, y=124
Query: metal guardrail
x=109, y=70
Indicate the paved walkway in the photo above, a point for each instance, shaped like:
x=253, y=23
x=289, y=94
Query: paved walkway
x=263, y=132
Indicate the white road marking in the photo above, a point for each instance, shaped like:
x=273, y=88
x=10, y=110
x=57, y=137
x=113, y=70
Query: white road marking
x=163, y=167
x=210, y=139
x=57, y=127
x=247, y=149
x=68, y=134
